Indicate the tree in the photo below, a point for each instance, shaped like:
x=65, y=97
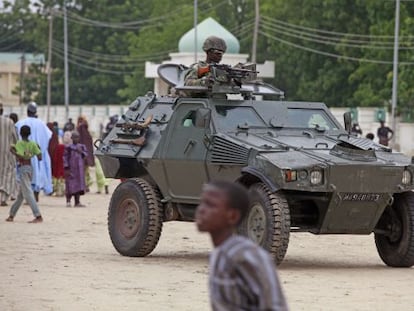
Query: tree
x=33, y=85
x=338, y=52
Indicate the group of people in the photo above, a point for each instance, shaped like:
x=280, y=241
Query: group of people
x=45, y=158
x=24, y=160
x=384, y=133
x=242, y=274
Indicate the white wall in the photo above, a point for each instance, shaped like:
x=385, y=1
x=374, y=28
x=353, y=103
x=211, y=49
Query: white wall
x=97, y=115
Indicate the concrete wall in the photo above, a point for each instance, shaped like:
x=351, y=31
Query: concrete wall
x=10, y=68
x=9, y=81
x=366, y=119
x=99, y=116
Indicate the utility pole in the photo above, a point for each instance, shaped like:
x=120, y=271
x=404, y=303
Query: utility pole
x=65, y=34
x=49, y=65
x=22, y=69
x=195, y=30
x=255, y=30
x=395, y=65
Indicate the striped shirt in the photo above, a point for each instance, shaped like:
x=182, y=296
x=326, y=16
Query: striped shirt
x=243, y=277
x=8, y=137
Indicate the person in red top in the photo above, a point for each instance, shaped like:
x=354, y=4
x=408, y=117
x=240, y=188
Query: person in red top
x=56, y=151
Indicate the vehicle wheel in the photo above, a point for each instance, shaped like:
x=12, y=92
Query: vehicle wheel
x=396, y=248
x=135, y=218
x=268, y=221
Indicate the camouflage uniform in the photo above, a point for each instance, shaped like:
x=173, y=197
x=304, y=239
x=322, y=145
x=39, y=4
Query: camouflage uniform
x=192, y=77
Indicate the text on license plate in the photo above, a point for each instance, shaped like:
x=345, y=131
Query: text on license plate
x=372, y=197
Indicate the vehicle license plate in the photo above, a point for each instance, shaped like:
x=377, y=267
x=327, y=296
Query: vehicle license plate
x=372, y=197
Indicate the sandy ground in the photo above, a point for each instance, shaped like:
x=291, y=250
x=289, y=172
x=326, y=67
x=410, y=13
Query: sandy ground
x=68, y=263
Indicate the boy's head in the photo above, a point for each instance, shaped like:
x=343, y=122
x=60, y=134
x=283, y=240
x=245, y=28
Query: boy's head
x=370, y=136
x=67, y=138
x=223, y=205
x=75, y=137
x=25, y=131
x=14, y=117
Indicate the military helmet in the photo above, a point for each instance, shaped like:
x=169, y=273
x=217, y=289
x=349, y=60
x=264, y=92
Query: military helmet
x=214, y=42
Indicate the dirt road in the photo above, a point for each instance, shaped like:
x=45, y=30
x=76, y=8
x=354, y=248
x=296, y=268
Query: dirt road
x=68, y=263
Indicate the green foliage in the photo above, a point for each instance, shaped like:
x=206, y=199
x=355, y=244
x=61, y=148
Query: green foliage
x=353, y=75
x=313, y=43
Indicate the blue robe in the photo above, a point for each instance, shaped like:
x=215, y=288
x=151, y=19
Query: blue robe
x=42, y=170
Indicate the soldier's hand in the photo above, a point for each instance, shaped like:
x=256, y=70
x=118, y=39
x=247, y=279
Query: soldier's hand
x=207, y=81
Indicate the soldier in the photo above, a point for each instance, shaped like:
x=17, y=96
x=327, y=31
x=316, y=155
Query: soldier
x=199, y=75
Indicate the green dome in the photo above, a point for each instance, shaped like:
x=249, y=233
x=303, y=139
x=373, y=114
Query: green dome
x=208, y=27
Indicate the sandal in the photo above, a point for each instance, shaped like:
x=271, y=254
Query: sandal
x=36, y=220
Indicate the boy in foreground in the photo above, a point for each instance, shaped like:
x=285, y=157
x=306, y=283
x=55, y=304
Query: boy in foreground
x=242, y=274
x=24, y=150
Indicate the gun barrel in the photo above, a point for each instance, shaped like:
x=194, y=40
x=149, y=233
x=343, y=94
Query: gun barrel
x=132, y=126
x=230, y=69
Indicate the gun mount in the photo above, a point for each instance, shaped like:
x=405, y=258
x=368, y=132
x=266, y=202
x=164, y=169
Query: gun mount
x=239, y=79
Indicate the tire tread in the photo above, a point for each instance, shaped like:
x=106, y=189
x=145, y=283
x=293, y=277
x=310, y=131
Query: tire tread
x=155, y=217
x=278, y=209
x=406, y=259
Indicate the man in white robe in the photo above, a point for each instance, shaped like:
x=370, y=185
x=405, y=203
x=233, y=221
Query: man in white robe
x=41, y=134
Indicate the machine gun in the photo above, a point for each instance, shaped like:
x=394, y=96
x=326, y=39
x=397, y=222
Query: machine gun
x=130, y=126
x=223, y=79
x=226, y=73
x=236, y=72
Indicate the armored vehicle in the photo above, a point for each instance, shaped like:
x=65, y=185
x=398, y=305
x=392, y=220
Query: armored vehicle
x=303, y=170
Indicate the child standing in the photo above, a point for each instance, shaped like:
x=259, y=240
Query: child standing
x=24, y=150
x=74, y=164
x=242, y=274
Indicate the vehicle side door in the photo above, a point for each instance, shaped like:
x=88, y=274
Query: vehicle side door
x=185, y=151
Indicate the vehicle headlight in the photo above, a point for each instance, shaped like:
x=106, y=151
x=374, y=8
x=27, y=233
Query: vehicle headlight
x=316, y=177
x=406, y=177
